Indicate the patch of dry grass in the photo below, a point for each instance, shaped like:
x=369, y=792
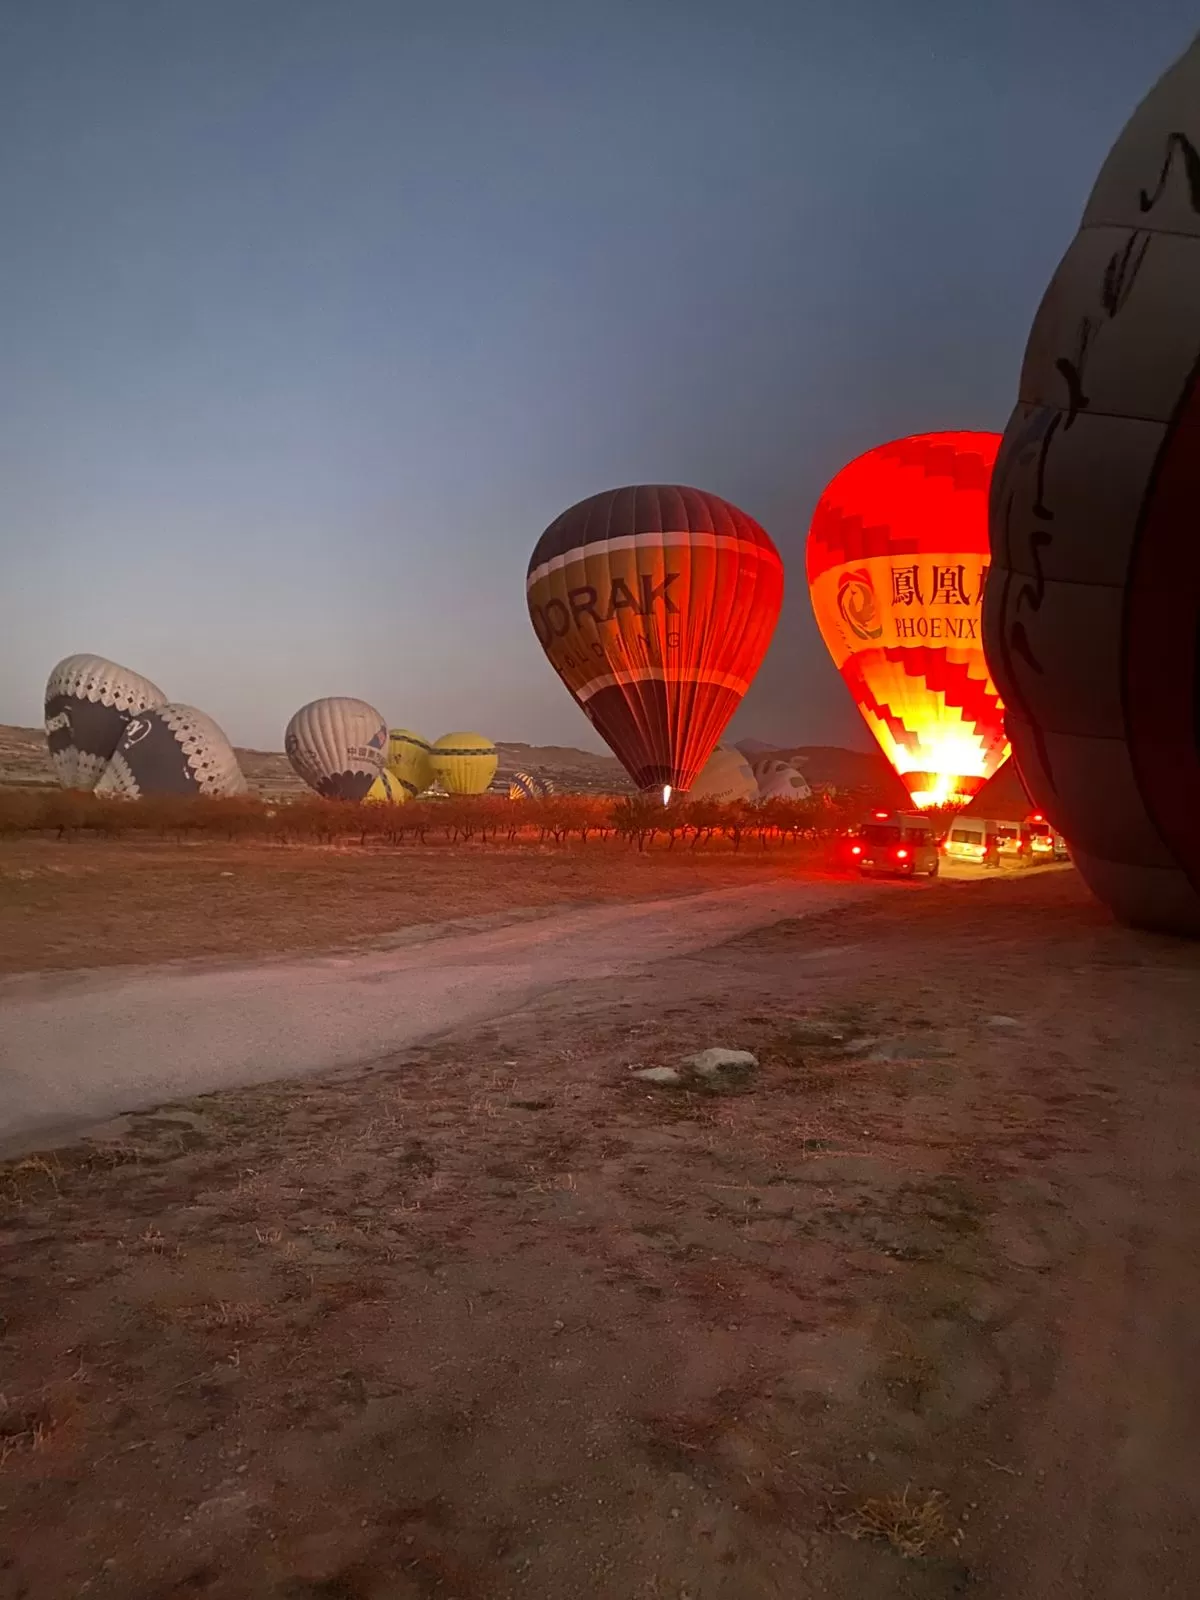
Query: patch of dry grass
x=913, y=1523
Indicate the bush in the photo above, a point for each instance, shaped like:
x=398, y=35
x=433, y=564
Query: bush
x=639, y=820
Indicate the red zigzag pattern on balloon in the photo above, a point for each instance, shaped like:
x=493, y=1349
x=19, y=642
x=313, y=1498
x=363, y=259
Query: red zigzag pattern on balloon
x=951, y=679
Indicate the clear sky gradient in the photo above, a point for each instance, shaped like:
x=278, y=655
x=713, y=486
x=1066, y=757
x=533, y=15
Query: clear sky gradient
x=313, y=313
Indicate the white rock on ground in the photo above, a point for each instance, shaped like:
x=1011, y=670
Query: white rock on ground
x=711, y=1063
x=667, y=1076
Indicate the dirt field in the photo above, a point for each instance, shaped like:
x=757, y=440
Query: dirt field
x=907, y=1313
x=66, y=905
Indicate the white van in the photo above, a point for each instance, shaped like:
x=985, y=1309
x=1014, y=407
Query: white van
x=968, y=837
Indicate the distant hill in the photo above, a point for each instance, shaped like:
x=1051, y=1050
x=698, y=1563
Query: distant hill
x=24, y=761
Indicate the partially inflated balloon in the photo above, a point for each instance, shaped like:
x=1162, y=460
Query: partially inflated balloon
x=172, y=750
x=89, y=700
x=464, y=763
x=655, y=606
x=1093, y=610
x=897, y=555
x=725, y=776
x=524, y=786
x=779, y=780
x=338, y=746
x=409, y=758
x=387, y=790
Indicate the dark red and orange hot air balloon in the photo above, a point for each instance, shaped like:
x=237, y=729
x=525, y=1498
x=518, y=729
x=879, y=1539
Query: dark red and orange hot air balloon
x=655, y=605
x=897, y=555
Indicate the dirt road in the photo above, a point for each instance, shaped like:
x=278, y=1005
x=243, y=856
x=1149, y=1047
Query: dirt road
x=906, y=1314
x=78, y=1047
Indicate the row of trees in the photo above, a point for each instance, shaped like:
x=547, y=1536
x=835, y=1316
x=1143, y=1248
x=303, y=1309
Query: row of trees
x=486, y=819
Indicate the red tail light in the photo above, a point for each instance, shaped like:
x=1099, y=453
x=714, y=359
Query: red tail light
x=901, y=855
x=856, y=850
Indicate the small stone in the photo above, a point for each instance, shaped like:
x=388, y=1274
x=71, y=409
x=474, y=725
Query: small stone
x=667, y=1077
x=711, y=1063
x=1003, y=1022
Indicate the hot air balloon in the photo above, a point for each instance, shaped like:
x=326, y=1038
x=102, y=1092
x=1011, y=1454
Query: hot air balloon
x=387, y=790
x=897, y=555
x=88, y=702
x=409, y=758
x=725, y=776
x=524, y=786
x=1093, y=608
x=655, y=606
x=172, y=749
x=338, y=746
x=464, y=763
x=779, y=780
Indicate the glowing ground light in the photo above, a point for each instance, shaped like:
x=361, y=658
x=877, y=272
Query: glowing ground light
x=667, y=792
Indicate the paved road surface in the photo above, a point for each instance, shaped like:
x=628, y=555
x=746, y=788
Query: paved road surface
x=77, y=1048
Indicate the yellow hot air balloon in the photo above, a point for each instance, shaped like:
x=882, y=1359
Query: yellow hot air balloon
x=464, y=763
x=409, y=759
x=387, y=790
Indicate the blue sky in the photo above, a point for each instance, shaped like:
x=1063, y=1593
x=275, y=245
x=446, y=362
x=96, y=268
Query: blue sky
x=313, y=315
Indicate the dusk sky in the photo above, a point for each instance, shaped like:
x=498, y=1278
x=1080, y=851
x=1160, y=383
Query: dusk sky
x=314, y=313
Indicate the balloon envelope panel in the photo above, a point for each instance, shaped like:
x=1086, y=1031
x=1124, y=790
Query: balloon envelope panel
x=1092, y=619
x=338, y=746
x=656, y=604
x=172, y=750
x=89, y=701
x=897, y=556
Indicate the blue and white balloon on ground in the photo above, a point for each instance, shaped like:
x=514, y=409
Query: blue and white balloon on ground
x=172, y=750
x=89, y=701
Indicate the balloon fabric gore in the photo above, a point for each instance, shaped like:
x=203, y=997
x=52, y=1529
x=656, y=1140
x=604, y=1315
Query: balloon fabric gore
x=655, y=605
x=897, y=556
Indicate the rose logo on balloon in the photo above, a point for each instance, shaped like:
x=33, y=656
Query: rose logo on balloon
x=857, y=604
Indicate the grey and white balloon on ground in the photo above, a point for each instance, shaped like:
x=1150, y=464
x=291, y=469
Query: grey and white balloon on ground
x=88, y=703
x=724, y=777
x=172, y=750
x=338, y=745
x=778, y=779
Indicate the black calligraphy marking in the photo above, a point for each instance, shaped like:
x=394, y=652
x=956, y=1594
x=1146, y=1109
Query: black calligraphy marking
x=1121, y=272
x=1040, y=509
x=1177, y=144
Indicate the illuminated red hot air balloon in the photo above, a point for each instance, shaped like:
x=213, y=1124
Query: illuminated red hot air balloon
x=1093, y=610
x=897, y=555
x=655, y=606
